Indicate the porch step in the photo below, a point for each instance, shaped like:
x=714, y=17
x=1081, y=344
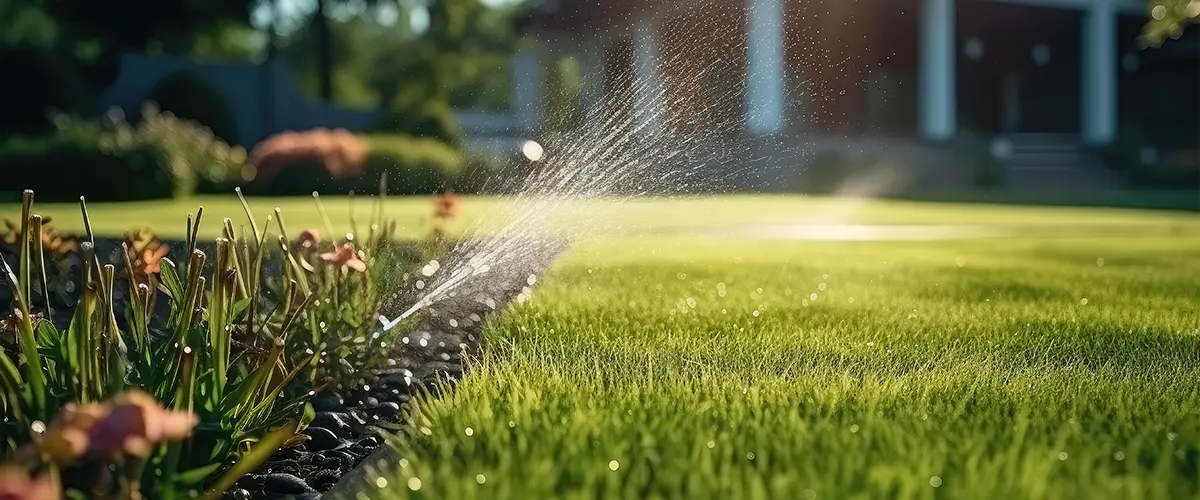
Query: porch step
x=1054, y=162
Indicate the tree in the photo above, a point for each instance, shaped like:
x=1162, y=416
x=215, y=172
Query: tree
x=377, y=62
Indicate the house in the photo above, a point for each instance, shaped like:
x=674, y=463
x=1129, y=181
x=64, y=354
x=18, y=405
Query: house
x=1046, y=75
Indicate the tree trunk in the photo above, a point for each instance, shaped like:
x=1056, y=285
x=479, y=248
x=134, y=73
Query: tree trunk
x=324, y=51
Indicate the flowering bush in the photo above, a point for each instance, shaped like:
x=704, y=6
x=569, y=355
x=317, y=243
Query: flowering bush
x=341, y=154
x=296, y=163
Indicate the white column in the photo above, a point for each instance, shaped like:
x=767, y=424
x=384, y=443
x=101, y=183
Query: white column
x=649, y=100
x=938, y=49
x=1099, y=74
x=765, y=78
x=527, y=87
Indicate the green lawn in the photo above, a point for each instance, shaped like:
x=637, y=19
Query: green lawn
x=702, y=367
x=1060, y=362
x=168, y=217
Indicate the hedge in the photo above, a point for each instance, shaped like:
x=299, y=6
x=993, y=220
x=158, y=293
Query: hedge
x=64, y=168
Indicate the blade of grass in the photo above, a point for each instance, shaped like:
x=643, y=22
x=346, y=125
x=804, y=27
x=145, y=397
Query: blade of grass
x=40, y=255
x=324, y=216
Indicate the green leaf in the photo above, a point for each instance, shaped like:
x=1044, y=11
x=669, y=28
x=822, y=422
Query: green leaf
x=47, y=336
x=198, y=475
x=239, y=310
x=170, y=279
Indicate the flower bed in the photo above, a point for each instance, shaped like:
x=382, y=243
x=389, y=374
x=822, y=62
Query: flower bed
x=261, y=371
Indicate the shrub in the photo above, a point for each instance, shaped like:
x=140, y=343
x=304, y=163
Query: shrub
x=188, y=95
x=429, y=119
x=38, y=81
x=303, y=162
x=294, y=163
x=67, y=166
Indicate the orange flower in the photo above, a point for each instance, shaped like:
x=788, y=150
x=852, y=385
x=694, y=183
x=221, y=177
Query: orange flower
x=152, y=259
x=131, y=424
x=445, y=205
x=345, y=257
x=16, y=484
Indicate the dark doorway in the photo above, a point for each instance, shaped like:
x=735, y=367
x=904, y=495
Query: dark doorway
x=1018, y=68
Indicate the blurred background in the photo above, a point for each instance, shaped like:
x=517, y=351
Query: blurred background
x=140, y=99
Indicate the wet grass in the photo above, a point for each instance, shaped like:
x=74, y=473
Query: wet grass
x=695, y=368
x=641, y=216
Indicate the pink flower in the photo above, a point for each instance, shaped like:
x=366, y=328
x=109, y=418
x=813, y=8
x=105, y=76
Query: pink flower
x=345, y=257
x=16, y=484
x=131, y=424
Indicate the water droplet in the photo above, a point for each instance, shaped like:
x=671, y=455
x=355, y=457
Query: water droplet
x=511, y=424
x=381, y=482
x=812, y=296
x=420, y=285
x=682, y=276
x=1119, y=456
x=424, y=343
x=531, y=280
x=821, y=287
x=691, y=302
x=479, y=478
x=1171, y=436
x=403, y=463
x=614, y=465
x=723, y=311
x=469, y=432
x=38, y=427
x=1100, y=262
x=1083, y=302
x=854, y=428
x=759, y=291
x=756, y=313
x=810, y=494
x=711, y=444
x=414, y=484
x=935, y=481
x=851, y=300
x=960, y=261
x=1062, y=455
x=750, y=456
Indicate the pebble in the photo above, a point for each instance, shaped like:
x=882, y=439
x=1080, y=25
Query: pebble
x=332, y=420
x=238, y=494
x=283, y=484
x=322, y=439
